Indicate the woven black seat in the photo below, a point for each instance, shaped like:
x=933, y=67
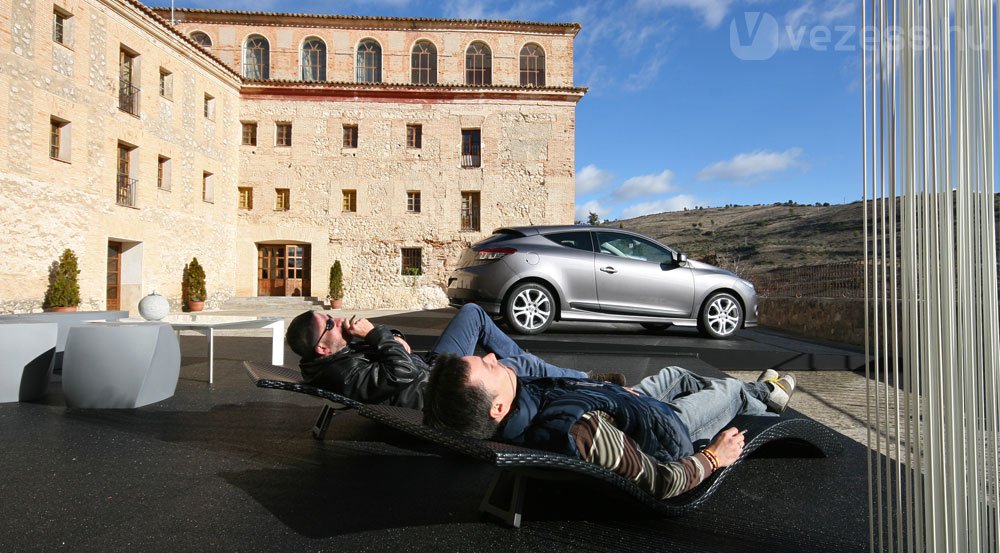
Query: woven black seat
x=281, y=378
x=505, y=496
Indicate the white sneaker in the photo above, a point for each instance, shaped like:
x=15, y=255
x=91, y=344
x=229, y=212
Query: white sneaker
x=769, y=374
x=781, y=392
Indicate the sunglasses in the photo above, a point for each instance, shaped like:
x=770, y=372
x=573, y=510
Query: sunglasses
x=329, y=327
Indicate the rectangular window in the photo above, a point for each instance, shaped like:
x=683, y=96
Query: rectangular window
x=413, y=201
x=249, y=133
x=126, y=185
x=166, y=84
x=163, y=173
x=414, y=133
x=283, y=136
x=282, y=199
x=207, y=187
x=61, y=25
x=209, y=106
x=128, y=80
x=470, y=148
x=59, y=136
x=246, y=198
x=350, y=136
x=470, y=210
x=411, y=264
x=350, y=204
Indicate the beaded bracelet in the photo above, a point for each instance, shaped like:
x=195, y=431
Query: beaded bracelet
x=712, y=459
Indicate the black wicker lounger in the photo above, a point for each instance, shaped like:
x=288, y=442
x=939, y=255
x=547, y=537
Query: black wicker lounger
x=281, y=378
x=505, y=497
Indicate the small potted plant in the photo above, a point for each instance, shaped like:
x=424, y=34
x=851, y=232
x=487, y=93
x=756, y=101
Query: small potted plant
x=193, y=286
x=336, y=296
x=64, y=288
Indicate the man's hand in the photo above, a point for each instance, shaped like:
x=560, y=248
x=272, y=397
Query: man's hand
x=728, y=445
x=358, y=328
x=403, y=342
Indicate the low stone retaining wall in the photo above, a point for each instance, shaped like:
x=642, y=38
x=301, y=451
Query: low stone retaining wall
x=834, y=319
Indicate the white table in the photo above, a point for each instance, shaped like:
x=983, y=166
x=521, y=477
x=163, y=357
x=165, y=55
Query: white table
x=207, y=325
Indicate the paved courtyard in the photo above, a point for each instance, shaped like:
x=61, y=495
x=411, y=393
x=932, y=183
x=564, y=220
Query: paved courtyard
x=231, y=467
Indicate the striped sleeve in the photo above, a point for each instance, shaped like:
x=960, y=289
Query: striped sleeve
x=600, y=442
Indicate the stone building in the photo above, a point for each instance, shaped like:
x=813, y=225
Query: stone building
x=269, y=145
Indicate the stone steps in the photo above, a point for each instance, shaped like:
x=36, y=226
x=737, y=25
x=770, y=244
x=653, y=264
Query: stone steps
x=274, y=302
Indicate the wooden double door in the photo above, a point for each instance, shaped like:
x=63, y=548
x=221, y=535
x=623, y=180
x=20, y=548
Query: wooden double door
x=283, y=270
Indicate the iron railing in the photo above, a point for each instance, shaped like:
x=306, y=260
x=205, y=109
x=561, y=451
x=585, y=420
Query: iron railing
x=128, y=98
x=126, y=190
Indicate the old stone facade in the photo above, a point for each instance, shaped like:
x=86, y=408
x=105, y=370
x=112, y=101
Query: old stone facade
x=132, y=144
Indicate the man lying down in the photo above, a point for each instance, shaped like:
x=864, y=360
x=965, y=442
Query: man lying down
x=665, y=434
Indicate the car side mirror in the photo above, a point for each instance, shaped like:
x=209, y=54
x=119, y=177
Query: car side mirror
x=679, y=258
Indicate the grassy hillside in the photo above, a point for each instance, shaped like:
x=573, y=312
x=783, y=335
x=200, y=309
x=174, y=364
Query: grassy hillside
x=760, y=237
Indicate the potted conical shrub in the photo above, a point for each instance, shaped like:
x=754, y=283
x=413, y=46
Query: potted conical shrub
x=193, y=286
x=336, y=296
x=64, y=287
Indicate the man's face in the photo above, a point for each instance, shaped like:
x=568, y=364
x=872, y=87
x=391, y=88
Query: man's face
x=333, y=339
x=489, y=373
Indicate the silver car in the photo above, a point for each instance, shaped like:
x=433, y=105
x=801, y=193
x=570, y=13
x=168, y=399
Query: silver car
x=533, y=276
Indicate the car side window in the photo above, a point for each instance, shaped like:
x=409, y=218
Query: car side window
x=632, y=247
x=576, y=240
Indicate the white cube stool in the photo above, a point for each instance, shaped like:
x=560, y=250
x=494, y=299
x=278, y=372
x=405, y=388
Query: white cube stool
x=120, y=365
x=27, y=351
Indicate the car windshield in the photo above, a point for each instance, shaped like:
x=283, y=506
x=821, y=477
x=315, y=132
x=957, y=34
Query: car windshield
x=632, y=247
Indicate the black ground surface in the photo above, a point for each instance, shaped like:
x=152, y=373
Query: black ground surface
x=234, y=468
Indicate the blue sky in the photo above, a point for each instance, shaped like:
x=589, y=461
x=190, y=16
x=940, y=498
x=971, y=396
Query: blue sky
x=691, y=102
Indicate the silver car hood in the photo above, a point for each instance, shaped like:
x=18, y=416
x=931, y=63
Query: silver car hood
x=705, y=267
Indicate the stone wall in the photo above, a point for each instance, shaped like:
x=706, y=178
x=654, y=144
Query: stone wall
x=526, y=177
x=285, y=42
x=834, y=319
x=50, y=204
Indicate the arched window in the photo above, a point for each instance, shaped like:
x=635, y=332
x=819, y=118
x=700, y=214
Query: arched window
x=368, y=68
x=478, y=64
x=202, y=39
x=424, y=63
x=314, y=60
x=532, y=65
x=257, y=58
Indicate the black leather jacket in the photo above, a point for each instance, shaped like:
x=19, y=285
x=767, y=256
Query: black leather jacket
x=374, y=370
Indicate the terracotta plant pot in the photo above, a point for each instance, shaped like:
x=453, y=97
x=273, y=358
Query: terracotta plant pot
x=195, y=305
x=62, y=309
x=336, y=304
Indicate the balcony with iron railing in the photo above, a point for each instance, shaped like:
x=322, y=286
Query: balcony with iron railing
x=471, y=160
x=128, y=98
x=126, y=190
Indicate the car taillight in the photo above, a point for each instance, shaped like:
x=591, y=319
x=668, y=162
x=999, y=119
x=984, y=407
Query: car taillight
x=492, y=254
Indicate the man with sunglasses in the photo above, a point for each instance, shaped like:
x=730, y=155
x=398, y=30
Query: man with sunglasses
x=374, y=364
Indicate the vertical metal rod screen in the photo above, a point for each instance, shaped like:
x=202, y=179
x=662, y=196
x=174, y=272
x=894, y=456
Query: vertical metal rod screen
x=931, y=282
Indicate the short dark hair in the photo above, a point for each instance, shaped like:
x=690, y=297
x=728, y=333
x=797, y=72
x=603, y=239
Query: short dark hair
x=301, y=335
x=451, y=402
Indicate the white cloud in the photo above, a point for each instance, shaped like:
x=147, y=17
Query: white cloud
x=582, y=212
x=753, y=167
x=591, y=178
x=646, y=185
x=677, y=203
x=712, y=11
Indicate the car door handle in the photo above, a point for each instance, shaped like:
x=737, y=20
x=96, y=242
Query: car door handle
x=609, y=270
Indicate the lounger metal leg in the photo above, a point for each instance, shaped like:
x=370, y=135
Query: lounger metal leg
x=510, y=488
x=323, y=421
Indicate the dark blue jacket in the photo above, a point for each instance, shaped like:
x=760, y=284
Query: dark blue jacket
x=546, y=409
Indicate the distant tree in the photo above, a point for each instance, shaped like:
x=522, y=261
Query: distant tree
x=593, y=219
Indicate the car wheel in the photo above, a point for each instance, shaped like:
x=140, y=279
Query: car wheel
x=529, y=309
x=721, y=316
x=655, y=326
